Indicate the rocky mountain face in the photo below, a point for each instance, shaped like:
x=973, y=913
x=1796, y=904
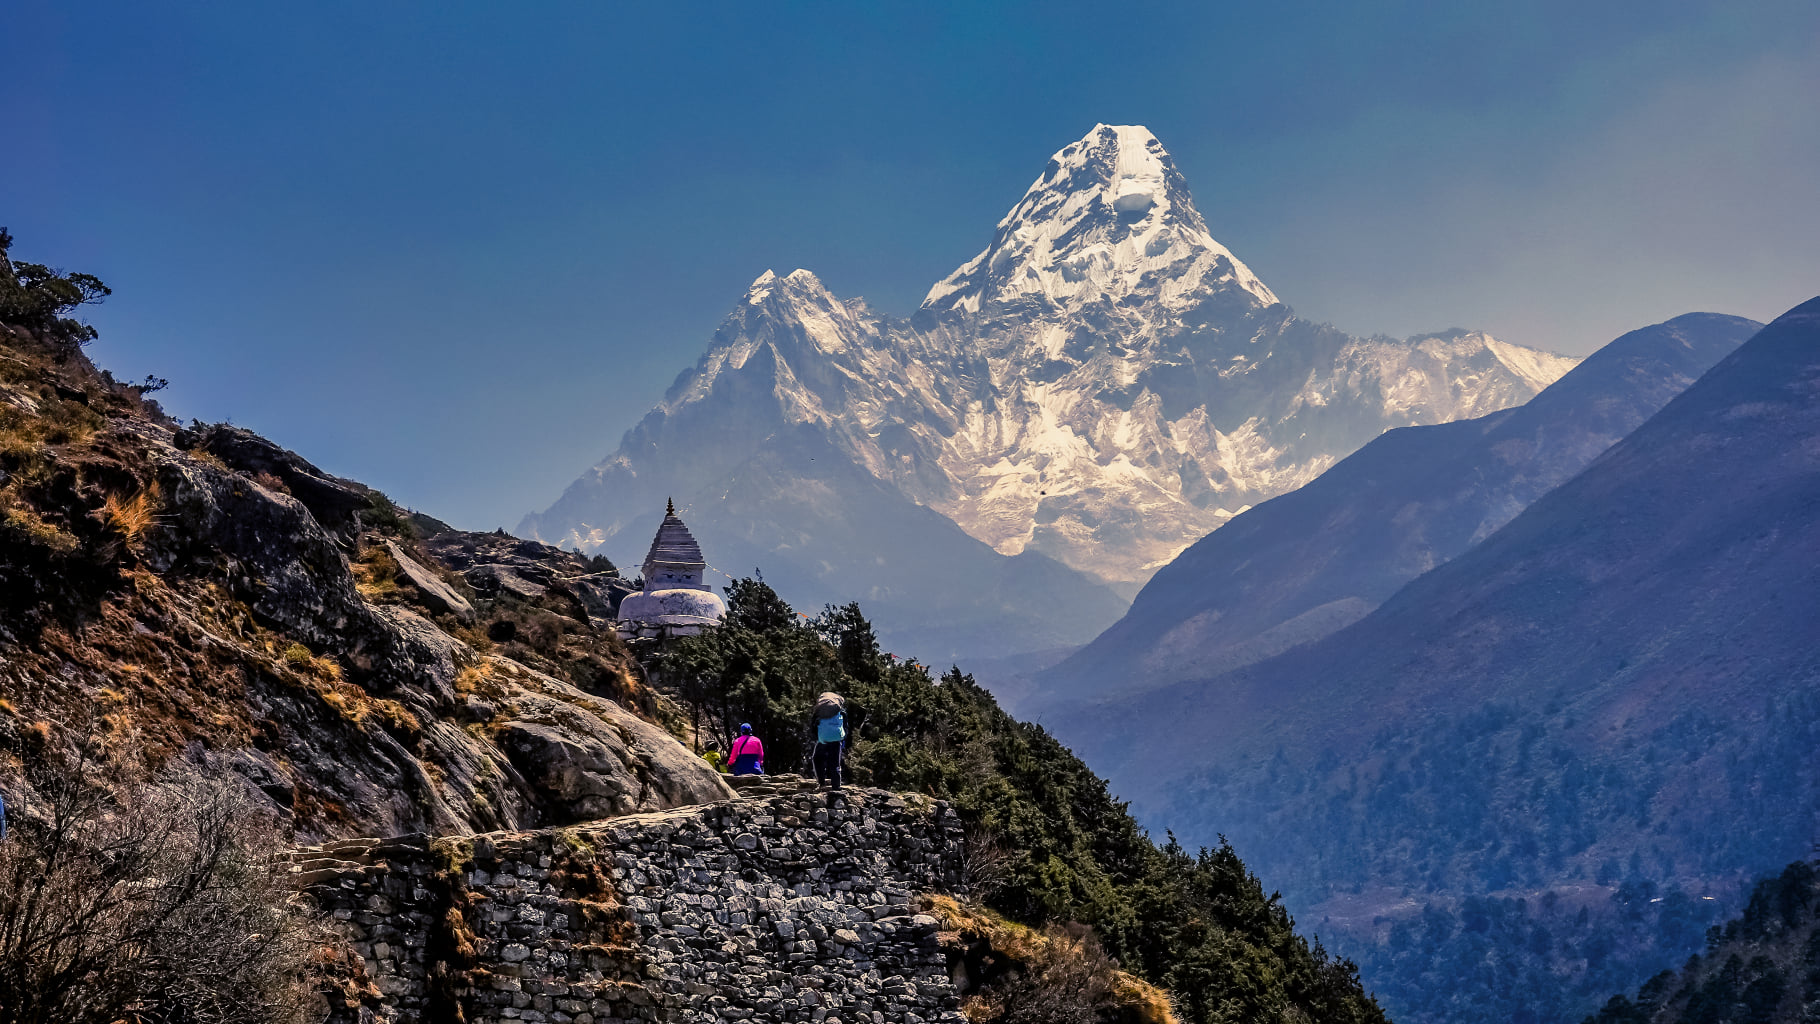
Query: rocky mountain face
x=1618, y=686
x=202, y=594
x=1317, y=559
x=1100, y=387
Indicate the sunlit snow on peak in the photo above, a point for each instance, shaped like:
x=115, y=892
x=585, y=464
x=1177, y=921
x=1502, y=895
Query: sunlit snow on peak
x=1110, y=217
x=761, y=288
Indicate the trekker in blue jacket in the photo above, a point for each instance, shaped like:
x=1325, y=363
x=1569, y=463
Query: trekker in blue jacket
x=830, y=738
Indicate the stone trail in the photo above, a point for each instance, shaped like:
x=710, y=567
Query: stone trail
x=783, y=905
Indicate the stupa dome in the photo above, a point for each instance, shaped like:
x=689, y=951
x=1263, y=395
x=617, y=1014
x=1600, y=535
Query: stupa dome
x=674, y=607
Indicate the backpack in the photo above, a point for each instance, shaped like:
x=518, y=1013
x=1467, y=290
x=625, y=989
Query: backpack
x=831, y=730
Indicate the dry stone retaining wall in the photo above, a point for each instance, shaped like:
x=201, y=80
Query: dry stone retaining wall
x=794, y=906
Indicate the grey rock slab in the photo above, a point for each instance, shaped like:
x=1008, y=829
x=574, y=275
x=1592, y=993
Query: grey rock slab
x=437, y=593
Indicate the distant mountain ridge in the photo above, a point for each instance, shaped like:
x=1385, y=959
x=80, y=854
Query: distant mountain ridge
x=1101, y=386
x=1623, y=681
x=1315, y=560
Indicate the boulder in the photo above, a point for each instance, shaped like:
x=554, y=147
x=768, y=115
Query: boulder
x=331, y=500
x=586, y=757
x=438, y=594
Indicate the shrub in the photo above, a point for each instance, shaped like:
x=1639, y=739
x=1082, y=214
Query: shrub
x=35, y=297
x=382, y=515
x=161, y=903
x=1068, y=980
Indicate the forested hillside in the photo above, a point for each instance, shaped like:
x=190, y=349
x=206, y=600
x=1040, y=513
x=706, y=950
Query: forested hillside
x=1049, y=842
x=1762, y=967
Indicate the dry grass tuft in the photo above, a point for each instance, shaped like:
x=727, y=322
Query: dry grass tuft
x=271, y=483
x=132, y=517
x=376, y=575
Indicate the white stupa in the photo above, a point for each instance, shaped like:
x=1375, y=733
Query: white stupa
x=674, y=600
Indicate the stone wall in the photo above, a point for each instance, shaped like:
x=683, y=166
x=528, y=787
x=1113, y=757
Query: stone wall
x=789, y=905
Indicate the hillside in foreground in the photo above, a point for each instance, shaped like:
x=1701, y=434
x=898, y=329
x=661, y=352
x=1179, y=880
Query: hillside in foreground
x=199, y=596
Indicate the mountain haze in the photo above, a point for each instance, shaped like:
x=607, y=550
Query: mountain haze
x=1318, y=558
x=1618, y=684
x=1101, y=386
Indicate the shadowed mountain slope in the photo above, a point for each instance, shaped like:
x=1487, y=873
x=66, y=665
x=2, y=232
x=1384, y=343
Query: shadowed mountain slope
x=1319, y=558
x=1625, y=674
x=1762, y=967
x=793, y=510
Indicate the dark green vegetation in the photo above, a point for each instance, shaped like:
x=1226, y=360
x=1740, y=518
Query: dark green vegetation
x=1050, y=843
x=1509, y=957
x=1761, y=968
x=1528, y=960
x=1617, y=686
x=35, y=298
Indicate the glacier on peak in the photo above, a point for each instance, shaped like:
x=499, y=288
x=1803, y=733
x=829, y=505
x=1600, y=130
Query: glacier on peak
x=1110, y=217
x=1102, y=386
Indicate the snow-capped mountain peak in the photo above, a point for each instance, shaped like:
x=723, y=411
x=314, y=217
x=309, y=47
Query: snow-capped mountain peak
x=1102, y=386
x=797, y=284
x=1109, y=217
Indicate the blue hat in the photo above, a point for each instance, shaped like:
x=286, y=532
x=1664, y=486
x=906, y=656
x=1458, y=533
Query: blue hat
x=745, y=727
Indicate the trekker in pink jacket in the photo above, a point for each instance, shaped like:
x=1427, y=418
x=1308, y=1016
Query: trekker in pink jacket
x=748, y=754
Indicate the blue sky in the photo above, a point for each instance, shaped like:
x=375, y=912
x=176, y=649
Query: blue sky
x=454, y=250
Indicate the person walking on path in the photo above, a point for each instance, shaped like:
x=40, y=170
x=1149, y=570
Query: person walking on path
x=830, y=738
x=747, y=756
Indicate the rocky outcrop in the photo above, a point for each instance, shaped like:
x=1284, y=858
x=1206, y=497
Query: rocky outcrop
x=587, y=757
x=330, y=499
x=499, y=564
x=544, y=751
x=438, y=594
x=203, y=593
x=793, y=907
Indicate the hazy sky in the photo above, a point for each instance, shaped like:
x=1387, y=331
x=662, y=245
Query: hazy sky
x=455, y=250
